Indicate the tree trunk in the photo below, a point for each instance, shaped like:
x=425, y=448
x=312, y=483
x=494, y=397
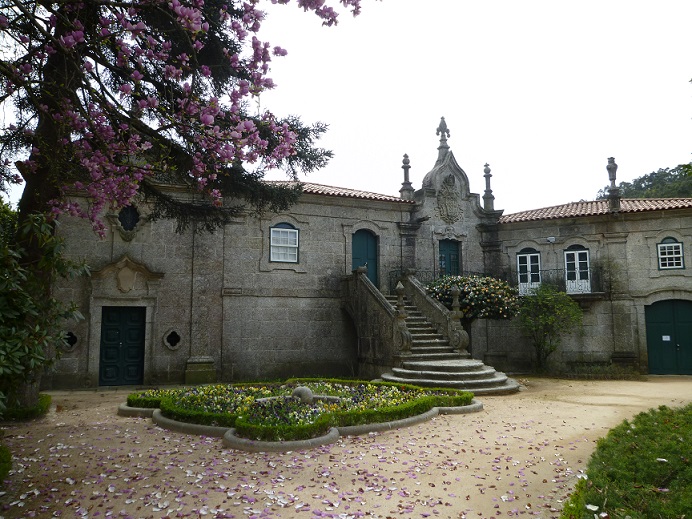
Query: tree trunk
x=48, y=171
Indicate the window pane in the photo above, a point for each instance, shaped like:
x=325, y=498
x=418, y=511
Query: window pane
x=284, y=245
x=529, y=268
x=670, y=256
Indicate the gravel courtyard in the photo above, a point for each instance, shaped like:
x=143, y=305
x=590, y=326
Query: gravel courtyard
x=520, y=456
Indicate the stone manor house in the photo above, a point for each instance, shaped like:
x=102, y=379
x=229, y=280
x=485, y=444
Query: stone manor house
x=335, y=287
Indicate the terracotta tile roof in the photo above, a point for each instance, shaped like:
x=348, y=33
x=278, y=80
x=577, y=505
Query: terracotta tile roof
x=319, y=189
x=596, y=207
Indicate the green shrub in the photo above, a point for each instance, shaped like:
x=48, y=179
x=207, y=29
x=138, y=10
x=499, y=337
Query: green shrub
x=641, y=469
x=266, y=411
x=545, y=315
x=245, y=427
x=150, y=398
x=171, y=408
x=31, y=320
x=5, y=463
x=480, y=297
x=18, y=414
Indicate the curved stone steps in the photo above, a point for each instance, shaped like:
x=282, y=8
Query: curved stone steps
x=432, y=362
x=500, y=384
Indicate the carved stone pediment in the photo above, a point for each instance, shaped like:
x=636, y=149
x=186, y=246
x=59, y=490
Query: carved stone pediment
x=128, y=274
x=448, y=233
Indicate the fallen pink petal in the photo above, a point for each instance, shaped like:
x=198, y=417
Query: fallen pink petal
x=521, y=456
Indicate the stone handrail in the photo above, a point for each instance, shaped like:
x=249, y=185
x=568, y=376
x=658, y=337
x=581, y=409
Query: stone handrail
x=383, y=338
x=447, y=322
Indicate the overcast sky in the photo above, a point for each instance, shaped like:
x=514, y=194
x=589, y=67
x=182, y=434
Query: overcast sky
x=543, y=90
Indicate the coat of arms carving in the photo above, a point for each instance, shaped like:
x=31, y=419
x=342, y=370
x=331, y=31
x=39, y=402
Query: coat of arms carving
x=448, y=203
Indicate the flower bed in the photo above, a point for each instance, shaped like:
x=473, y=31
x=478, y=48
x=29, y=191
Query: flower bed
x=268, y=412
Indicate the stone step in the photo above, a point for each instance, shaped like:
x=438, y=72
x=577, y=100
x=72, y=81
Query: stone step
x=479, y=375
x=422, y=343
x=427, y=350
x=497, y=385
x=456, y=365
x=433, y=363
x=490, y=378
x=426, y=335
x=425, y=357
x=422, y=325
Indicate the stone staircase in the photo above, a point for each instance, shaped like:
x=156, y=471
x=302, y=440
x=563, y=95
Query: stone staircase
x=434, y=363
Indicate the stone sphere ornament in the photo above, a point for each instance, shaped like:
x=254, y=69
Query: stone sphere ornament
x=304, y=394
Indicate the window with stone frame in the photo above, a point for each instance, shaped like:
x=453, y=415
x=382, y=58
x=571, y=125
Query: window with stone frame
x=528, y=270
x=284, y=243
x=670, y=255
x=577, y=270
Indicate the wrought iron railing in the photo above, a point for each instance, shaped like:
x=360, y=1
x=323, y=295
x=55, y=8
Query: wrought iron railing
x=590, y=281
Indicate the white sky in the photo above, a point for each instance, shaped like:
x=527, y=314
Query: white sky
x=543, y=90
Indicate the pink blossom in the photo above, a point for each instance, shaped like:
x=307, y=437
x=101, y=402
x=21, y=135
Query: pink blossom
x=172, y=95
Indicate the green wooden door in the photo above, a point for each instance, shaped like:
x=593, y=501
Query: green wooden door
x=122, y=345
x=448, y=262
x=364, y=252
x=669, y=337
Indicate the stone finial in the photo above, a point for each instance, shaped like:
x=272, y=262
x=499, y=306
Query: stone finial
x=612, y=170
x=443, y=132
x=406, y=192
x=614, y=191
x=488, y=198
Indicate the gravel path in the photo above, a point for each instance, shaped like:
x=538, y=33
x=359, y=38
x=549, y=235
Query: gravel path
x=520, y=456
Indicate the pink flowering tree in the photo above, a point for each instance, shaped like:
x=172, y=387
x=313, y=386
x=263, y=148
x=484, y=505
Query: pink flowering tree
x=116, y=98
x=110, y=97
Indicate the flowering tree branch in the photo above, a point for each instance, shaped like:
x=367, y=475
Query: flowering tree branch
x=114, y=97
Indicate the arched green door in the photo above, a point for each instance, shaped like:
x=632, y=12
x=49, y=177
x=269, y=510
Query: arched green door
x=448, y=263
x=669, y=337
x=364, y=252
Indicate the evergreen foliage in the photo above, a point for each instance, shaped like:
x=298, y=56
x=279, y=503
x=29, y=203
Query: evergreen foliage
x=5, y=463
x=20, y=414
x=115, y=100
x=119, y=98
x=545, y=315
x=664, y=183
x=31, y=321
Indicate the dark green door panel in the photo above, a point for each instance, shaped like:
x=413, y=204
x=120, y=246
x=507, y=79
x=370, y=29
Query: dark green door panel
x=364, y=252
x=669, y=337
x=448, y=262
x=122, y=345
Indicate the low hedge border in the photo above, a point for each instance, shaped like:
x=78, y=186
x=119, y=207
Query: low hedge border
x=244, y=430
x=5, y=463
x=231, y=440
x=20, y=414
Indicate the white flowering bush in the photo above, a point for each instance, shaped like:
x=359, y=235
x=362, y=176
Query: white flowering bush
x=480, y=297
